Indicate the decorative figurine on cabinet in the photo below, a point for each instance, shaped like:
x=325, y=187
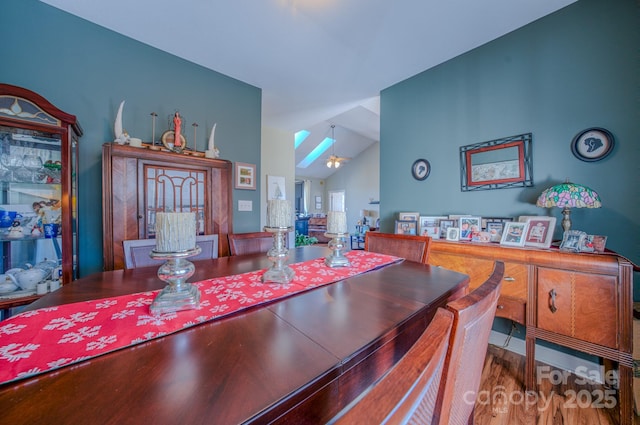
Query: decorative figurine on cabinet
x=173, y=140
x=121, y=135
x=16, y=231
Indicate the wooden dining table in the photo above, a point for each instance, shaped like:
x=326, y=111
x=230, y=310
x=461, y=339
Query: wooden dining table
x=299, y=359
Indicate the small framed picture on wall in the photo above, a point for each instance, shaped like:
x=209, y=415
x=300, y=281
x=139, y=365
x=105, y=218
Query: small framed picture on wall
x=276, y=188
x=245, y=176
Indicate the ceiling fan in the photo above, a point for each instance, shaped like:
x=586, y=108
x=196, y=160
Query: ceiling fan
x=334, y=161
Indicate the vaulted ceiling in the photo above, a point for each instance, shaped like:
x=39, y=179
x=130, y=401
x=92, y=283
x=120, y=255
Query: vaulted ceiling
x=318, y=62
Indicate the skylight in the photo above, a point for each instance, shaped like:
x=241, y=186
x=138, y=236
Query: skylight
x=319, y=150
x=300, y=137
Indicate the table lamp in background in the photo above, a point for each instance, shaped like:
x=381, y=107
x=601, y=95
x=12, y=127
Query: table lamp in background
x=566, y=196
x=364, y=214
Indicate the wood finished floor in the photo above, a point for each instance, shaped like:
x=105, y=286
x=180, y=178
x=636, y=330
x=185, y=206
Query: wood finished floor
x=501, y=399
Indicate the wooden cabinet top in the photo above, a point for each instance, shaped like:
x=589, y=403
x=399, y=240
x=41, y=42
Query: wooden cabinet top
x=606, y=263
x=114, y=149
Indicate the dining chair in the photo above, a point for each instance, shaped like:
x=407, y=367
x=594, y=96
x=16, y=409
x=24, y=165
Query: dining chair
x=407, y=393
x=409, y=247
x=251, y=243
x=136, y=251
x=473, y=316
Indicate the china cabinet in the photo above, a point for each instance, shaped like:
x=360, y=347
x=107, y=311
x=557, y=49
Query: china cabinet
x=138, y=182
x=38, y=191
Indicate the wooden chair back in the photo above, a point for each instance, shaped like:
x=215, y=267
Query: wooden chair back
x=136, y=252
x=408, y=392
x=410, y=247
x=251, y=243
x=473, y=317
x=208, y=247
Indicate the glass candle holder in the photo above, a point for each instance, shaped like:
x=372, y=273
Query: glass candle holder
x=337, y=245
x=179, y=294
x=279, y=271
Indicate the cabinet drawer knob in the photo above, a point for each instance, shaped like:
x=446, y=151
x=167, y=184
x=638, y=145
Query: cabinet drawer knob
x=500, y=307
x=552, y=301
x=509, y=278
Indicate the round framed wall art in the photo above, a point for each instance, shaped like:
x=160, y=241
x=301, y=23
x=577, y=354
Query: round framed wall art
x=592, y=144
x=421, y=169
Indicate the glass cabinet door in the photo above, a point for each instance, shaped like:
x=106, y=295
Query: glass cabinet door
x=38, y=188
x=30, y=201
x=173, y=189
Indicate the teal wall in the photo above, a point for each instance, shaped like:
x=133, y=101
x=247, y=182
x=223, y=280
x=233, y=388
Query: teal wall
x=571, y=70
x=574, y=69
x=87, y=71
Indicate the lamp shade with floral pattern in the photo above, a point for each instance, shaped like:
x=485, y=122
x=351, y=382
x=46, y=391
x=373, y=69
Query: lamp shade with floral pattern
x=569, y=195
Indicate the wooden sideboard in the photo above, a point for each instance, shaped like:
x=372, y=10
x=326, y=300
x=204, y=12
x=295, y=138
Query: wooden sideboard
x=476, y=260
x=577, y=300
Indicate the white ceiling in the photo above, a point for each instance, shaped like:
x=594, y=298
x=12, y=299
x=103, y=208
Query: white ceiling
x=317, y=62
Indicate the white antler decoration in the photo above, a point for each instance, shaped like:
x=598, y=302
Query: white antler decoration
x=121, y=136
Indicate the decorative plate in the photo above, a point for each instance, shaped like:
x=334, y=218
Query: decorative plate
x=592, y=144
x=421, y=169
x=168, y=138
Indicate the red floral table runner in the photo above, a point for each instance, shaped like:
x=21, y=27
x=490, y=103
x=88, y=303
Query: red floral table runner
x=37, y=341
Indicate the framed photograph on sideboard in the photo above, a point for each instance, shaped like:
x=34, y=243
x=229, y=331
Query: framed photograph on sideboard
x=468, y=226
x=407, y=216
x=453, y=234
x=540, y=231
x=514, y=233
x=444, y=225
x=494, y=228
x=406, y=227
x=430, y=226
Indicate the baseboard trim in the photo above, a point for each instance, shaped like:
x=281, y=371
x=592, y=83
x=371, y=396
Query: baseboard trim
x=549, y=356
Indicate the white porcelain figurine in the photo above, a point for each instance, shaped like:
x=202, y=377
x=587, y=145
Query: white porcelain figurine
x=16, y=231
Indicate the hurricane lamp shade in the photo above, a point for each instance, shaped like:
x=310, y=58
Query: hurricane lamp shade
x=566, y=196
